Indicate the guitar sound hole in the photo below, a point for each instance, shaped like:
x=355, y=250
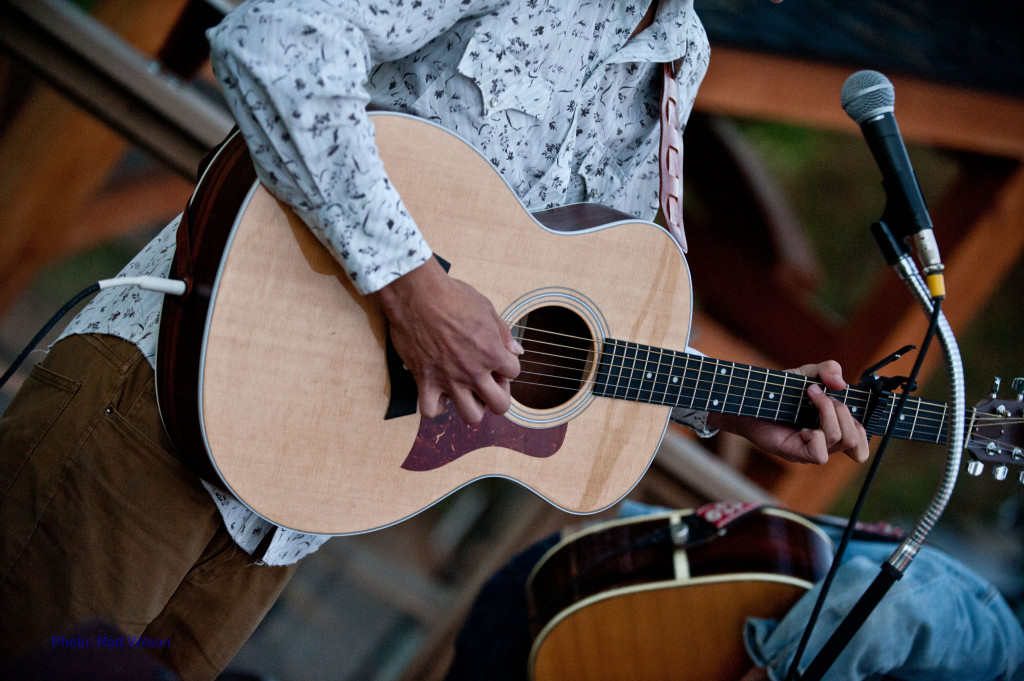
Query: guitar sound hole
x=559, y=352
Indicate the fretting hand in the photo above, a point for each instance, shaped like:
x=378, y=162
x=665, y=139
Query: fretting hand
x=838, y=430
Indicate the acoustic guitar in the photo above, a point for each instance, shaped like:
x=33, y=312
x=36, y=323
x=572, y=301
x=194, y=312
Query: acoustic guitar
x=664, y=597
x=276, y=379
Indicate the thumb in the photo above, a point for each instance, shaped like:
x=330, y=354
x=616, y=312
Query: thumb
x=511, y=343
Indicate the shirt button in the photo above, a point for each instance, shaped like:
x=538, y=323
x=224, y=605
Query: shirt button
x=494, y=101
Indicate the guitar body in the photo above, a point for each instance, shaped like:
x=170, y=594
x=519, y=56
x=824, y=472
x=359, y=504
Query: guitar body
x=293, y=384
x=622, y=601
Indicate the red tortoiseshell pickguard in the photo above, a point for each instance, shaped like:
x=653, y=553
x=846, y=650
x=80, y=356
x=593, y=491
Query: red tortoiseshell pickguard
x=445, y=438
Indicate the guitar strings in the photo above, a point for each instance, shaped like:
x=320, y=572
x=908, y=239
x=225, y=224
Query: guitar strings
x=928, y=415
x=787, y=405
x=927, y=412
x=702, y=373
x=791, y=391
x=980, y=420
x=936, y=419
x=753, y=372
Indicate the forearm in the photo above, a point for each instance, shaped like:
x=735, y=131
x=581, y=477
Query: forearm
x=293, y=74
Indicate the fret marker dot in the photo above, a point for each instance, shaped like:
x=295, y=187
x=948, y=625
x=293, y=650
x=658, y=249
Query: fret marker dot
x=723, y=372
x=715, y=403
x=771, y=396
x=853, y=410
x=675, y=379
x=902, y=417
x=649, y=375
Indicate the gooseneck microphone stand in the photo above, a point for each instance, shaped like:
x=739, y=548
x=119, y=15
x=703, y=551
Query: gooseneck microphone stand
x=893, y=569
x=929, y=298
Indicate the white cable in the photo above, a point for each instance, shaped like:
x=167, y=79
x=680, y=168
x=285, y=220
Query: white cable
x=174, y=287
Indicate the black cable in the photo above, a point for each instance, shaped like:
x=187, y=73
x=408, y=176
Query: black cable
x=45, y=330
x=862, y=496
x=848, y=628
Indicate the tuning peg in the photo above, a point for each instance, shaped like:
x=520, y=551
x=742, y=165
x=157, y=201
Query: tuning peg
x=994, y=391
x=1018, y=387
x=1000, y=472
x=975, y=468
x=1020, y=477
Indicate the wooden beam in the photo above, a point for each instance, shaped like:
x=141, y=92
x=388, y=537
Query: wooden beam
x=56, y=158
x=139, y=202
x=762, y=86
x=707, y=475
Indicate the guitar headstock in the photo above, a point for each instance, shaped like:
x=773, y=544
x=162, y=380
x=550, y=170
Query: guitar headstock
x=997, y=433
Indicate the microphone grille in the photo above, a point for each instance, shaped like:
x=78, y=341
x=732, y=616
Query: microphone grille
x=867, y=94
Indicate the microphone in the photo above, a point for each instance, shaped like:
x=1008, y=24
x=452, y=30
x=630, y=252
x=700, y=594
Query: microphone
x=868, y=97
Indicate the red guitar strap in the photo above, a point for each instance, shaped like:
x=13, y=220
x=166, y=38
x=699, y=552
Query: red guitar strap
x=670, y=163
x=723, y=513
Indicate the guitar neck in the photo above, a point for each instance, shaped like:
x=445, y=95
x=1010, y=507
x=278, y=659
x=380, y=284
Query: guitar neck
x=642, y=373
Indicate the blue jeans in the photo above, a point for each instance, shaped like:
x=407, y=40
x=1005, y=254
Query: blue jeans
x=940, y=622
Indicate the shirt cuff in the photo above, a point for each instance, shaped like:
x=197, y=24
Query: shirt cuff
x=695, y=420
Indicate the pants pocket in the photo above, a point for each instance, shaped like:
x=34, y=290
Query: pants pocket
x=28, y=419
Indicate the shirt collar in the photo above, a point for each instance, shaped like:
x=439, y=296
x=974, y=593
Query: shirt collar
x=664, y=40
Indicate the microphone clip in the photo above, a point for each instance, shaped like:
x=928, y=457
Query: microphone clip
x=893, y=249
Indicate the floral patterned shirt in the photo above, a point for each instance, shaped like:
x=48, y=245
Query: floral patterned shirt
x=554, y=93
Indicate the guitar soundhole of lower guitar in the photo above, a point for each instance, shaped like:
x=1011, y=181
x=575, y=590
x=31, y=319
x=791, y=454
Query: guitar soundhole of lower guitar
x=559, y=355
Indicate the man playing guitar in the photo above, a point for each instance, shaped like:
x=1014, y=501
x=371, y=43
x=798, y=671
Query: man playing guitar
x=99, y=516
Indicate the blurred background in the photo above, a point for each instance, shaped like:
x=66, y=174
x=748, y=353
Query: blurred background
x=106, y=106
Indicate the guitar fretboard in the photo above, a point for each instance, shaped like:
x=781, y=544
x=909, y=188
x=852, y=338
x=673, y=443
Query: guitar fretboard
x=642, y=373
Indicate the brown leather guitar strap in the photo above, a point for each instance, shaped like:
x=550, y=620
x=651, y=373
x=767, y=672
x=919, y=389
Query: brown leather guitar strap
x=670, y=163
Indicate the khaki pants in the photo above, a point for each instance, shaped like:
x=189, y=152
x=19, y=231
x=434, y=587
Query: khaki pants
x=100, y=520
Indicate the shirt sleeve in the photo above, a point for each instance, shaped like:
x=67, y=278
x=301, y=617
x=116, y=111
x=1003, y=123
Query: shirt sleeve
x=293, y=73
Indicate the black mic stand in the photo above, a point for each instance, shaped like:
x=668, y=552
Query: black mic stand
x=892, y=570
